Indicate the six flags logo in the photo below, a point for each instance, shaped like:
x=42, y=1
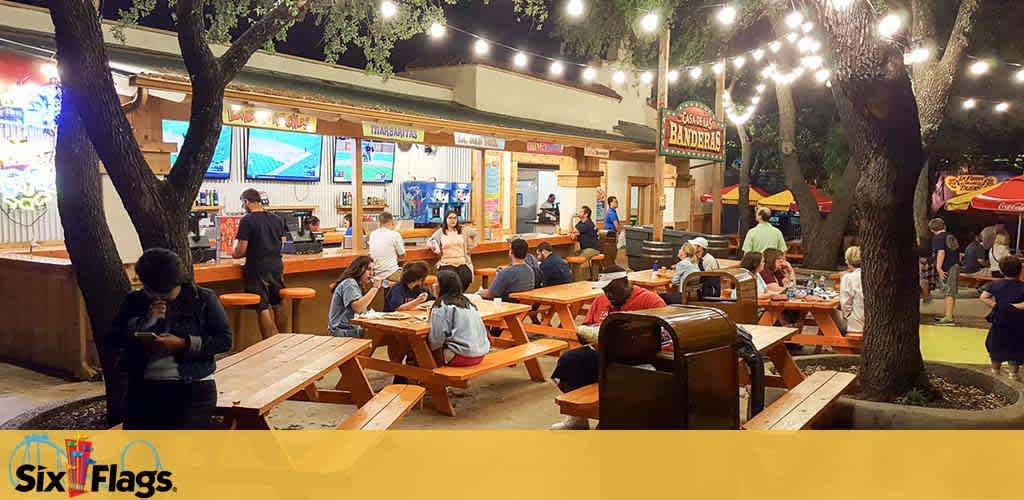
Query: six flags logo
x=75, y=471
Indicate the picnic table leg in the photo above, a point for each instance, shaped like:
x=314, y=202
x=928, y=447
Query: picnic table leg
x=770, y=316
x=354, y=381
x=828, y=327
x=785, y=365
x=425, y=359
x=515, y=328
x=567, y=323
x=249, y=423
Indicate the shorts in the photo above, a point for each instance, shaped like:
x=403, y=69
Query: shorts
x=949, y=287
x=267, y=285
x=452, y=358
x=577, y=368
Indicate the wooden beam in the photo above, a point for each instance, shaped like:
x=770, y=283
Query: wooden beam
x=719, y=168
x=657, y=208
x=357, y=197
x=477, y=197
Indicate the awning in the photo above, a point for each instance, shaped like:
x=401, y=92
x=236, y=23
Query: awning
x=784, y=201
x=1006, y=197
x=731, y=195
x=963, y=201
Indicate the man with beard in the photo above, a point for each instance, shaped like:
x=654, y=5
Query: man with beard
x=261, y=235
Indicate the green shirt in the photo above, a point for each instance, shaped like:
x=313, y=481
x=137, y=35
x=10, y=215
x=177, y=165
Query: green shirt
x=763, y=236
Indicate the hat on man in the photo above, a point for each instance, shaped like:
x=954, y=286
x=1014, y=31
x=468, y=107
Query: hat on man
x=699, y=241
x=610, y=274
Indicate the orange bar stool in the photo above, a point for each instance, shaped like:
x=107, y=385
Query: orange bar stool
x=296, y=295
x=575, y=261
x=431, y=283
x=234, y=302
x=597, y=260
x=485, y=274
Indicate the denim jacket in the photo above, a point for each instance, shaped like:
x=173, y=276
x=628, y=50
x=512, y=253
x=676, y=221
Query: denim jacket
x=196, y=316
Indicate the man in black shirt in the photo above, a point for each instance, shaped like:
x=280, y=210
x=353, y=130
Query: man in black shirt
x=261, y=235
x=585, y=233
x=552, y=266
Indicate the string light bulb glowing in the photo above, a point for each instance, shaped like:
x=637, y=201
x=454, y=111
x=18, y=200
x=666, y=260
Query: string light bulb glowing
x=794, y=19
x=619, y=77
x=917, y=56
x=812, y=62
x=1019, y=76
x=822, y=75
x=49, y=71
x=556, y=68
x=970, y=103
x=649, y=22
x=388, y=9
x=647, y=77
x=760, y=88
x=757, y=54
x=574, y=8
x=1002, y=107
x=806, y=44
x=978, y=68
x=890, y=25
x=727, y=15
x=807, y=27
x=481, y=47
x=520, y=60
x=792, y=37
x=775, y=46
x=437, y=30
x=739, y=61
x=695, y=72
x=589, y=74
x=718, y=68
x=673, y=76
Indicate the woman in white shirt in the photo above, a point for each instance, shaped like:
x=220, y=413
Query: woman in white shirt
x=1000, y=249
x=851, y=293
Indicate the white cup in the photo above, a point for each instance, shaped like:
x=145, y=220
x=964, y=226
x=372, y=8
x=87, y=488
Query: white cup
x=497, y=300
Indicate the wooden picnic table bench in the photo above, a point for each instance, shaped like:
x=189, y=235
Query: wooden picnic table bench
x=409, y=336
x=804, y=404
x=769, y=340
x=821, y=311
x=652, y=281
x=254, y=381
x=560, y=301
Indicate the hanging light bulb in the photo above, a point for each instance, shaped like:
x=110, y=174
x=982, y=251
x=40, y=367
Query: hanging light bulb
x=437, y=30
x=619, y=77
x=520, y=60
x=718, y=68
x=755, y=100
x=673, y=75
x=890, y=25
x=806, y=44
x=574, y=8
x=970, y=103
x=1002, y=107
x=49, y=71
x=1019, y=76
x=978, y=68
x=822, y=75
x=739, y=61
x=647, y=77
x=481, y=47
x=768, y=70
x=556, y=68
x=828, y=83
x=807, y=27
x=695, y=72
x=812, y=62
x=775, y=46
x=757, y=54
x=649, y=22
x=760, y=88
x=727, y=15
x=589, y=74
x=388, y=9
x=792, y=37
x=794, y=19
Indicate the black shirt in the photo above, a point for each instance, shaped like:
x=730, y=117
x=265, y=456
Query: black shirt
x=263, y=231
x=555, y=270
x=974, y=257
x=588, y=235
x=952, y=256
x=400, y=294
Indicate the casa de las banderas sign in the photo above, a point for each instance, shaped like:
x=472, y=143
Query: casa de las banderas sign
x=691, y=131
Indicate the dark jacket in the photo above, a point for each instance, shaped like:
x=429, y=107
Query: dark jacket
x=556, y=271
x=196, y=315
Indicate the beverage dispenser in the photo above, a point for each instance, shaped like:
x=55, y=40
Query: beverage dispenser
x=437, y=201
x=458, y=200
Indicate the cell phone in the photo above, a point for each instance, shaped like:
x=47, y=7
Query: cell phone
x=145, y=335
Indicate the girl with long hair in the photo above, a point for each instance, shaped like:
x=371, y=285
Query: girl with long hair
x=353, y=293
x=452, y=243
x=457, y=335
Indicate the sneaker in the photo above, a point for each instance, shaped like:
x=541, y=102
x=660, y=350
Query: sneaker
x=945, y=321
x=572, y=423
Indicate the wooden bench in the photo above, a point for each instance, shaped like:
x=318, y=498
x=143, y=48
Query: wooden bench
x=804, y=404
x=582, y=402
x=386, y=409
x=458, y=375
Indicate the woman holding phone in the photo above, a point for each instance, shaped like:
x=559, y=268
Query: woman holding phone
x=169, y=331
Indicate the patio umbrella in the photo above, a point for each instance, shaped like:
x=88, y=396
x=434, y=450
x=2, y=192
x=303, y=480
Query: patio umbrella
x=731, y=195
x=784, y=201
x=962, y=201
x=1005, y=198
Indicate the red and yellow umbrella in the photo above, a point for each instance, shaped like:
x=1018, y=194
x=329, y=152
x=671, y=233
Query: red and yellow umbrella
x=784, y=201
x=731, y=195
x=1005, y=198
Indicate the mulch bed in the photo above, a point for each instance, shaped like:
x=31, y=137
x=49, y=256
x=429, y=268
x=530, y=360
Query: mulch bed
x=944, y=393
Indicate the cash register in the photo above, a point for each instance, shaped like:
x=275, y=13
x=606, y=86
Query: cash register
x=198, y=242
x=300, y=239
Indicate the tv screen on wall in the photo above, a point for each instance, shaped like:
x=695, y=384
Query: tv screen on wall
x=378, y=160
x=220, y=166
x=283, y=156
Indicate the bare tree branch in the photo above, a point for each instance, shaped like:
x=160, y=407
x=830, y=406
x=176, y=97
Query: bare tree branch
x=199, y=59
x=283, y=15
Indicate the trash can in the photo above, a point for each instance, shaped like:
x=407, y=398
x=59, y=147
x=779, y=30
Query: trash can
x=691, y=384
x=609, y=246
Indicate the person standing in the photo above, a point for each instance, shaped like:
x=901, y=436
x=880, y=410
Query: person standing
x=261, y=235
x=946, y=251
x=1005, y=340
x=517, y=277
x=764, y=235
x=386, y=247
x=851, y=293
x=170, y=331
x=452, y=243
x=554, y=269
x=549, y=204
x=611, y=220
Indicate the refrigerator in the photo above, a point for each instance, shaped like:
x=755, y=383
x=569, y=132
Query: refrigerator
x=526, y=200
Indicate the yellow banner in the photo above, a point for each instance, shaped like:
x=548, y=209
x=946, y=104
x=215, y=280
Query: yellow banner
x=518, y=465
x=393, y=132
x=248, y=116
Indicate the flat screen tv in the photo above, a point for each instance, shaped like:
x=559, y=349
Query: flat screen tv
x=283, y=156
x=220, y=166
x=378, y=160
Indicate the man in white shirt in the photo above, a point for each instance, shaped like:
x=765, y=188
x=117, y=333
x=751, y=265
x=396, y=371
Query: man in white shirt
x=386, y=246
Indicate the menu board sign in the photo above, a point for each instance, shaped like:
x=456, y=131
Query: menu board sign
x=392, y=132
x=479, y=141
x=547, y=148
x=971, y=182
x=492, y=190
x=596, y=153
x=249, y=116
x=691, y=131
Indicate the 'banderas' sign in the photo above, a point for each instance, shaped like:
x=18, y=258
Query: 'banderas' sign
x=691, y=131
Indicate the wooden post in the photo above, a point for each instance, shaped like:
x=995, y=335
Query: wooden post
x=476, y=199
x=357, y=197
x=719, y=168
x=658, y=224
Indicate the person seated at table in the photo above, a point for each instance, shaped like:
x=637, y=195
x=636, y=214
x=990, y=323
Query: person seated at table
x=169, y=370
x=1000, y=249
x=851, y=295
x=1005, y=340
x=453, y=243
x=409, y=292
x=457, y=335
x=313, y=222
x=578, y=367
x=687, y=264
x=975, y=256
x=464, y=273
x=386, y=247
x=585, y=232
x=711, y=286
x=516, y=277
x=753, y=262
x=353, y=293
x=777, y=271
x=553, y=268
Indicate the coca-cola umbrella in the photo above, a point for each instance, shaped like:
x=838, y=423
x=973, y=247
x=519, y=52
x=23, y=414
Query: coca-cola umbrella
x=1006, y=198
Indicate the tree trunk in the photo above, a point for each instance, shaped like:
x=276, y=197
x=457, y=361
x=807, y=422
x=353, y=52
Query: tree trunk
x=743, y=204
x=94, y=258
x=880, y=116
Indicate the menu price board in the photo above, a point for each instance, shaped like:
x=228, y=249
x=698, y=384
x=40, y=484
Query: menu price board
x=492, y=190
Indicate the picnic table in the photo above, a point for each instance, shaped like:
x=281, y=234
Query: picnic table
x=650, y=280
x=404, y=336
x=560, y=301
x=254, y=381
x=769, y=340
x=819, y=310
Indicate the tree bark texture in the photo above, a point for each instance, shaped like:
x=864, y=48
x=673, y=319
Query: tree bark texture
x=746, y=159
x=94, y=258
x=879, y=113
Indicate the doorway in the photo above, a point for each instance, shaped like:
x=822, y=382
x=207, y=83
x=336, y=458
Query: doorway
x=533, y=185
x=639, y=199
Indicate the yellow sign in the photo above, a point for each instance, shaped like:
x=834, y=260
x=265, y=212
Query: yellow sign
x=392, y=132
x=967, y=183
x=249, y=116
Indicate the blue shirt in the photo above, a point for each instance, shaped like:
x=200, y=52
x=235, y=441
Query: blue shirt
x=555, y=270
x=341, y=312
x=611, y=219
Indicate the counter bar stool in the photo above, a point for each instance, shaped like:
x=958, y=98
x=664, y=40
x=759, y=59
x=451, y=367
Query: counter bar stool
x=598, y=261
x=430, y=283
x=485, y=274
x=575, y=261
x=234, y=302
x=296, y=295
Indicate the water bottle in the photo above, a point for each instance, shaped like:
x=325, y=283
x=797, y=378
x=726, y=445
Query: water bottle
x=810, y=282
x=822, y=283
x=655, y=266
x=202, y=198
